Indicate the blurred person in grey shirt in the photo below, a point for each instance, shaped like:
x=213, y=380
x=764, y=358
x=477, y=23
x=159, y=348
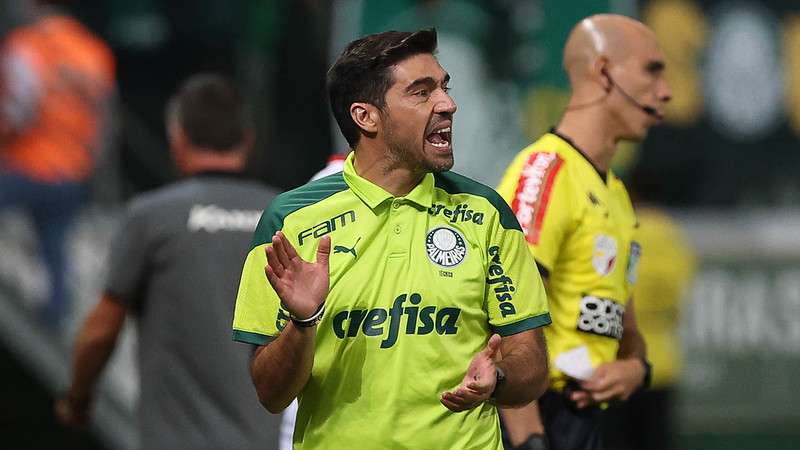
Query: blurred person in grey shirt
x=175, y=267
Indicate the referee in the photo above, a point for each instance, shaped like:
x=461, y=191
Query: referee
x=580, y=226
x=174, y=267
x=420, y=309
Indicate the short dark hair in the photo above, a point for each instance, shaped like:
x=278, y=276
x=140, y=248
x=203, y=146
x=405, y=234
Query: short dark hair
x=210, y=111
x=362, y=73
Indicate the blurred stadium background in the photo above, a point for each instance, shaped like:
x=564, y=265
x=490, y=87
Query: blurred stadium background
x=726, y=165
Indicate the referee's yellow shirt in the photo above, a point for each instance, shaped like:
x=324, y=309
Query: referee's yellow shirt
x=579, y=226
x=418, y=284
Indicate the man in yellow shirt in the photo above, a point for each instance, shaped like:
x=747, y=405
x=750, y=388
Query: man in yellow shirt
x=579, y=224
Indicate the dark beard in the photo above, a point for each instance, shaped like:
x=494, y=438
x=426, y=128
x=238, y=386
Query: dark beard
x=401, y=154
x=398, y=155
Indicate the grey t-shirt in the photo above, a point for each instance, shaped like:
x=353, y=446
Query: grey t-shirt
x=176, y=264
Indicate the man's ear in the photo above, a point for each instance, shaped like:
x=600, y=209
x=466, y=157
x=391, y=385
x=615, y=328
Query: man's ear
x=599, y=71
x=366, y=116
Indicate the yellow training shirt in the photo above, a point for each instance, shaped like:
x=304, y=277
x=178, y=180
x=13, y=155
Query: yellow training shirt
x=579, y=227
x=665, y=275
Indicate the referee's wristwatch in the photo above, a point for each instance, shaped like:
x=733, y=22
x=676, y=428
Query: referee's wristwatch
x=648, y=373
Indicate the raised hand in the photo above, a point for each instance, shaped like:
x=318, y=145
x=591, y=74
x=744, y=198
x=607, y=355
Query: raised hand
x=302, y=286
x=479, y=381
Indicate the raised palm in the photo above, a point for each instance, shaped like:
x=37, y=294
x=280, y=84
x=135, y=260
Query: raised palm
x=302, y=286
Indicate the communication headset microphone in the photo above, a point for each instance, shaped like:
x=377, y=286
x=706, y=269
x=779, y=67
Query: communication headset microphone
x=649, y=110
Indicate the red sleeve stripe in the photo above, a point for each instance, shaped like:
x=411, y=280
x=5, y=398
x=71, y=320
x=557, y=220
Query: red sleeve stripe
x=533, y=192
x=533, y=238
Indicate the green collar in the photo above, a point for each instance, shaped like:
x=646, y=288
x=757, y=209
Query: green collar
x=373, y=195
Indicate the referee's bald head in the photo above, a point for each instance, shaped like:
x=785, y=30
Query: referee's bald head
x=610, y=36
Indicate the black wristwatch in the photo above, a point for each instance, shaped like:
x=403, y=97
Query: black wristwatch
x=501, y=380
x=648, y=373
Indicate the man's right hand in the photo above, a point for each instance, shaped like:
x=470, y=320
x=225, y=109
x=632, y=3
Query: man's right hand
x=301, y=286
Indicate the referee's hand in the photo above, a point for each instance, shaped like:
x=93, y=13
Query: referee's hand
x=302, y=286
x=479, y=381
x=615, y=380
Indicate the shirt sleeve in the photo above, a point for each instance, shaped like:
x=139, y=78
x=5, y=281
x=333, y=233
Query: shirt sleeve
x=515, y=296
x=130, y=258
x=258, y=317
x=539, y=195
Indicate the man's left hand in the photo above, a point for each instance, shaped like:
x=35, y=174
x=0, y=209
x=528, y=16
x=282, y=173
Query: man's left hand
x=615, y=380
x=479, y=381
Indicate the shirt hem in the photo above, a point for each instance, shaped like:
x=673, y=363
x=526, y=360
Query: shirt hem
x=249, y=337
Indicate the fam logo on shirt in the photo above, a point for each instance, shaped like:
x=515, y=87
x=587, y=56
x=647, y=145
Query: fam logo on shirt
x=445, y=247
x=327, y=226
x=604, y=258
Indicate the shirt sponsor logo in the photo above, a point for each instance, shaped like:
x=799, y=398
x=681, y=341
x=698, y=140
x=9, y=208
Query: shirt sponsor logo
x=327, y=226
x=461, y=213
x=604, y=258
x=533, y=192
x=501, y=284
x=445, y=247
x=632, y=274
x=601, y=316
x=420, y=320
x=212, y=218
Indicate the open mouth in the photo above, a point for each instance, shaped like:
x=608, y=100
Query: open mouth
x=440, y=137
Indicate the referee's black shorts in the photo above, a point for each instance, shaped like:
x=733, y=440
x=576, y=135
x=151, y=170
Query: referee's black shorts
x=566, y=427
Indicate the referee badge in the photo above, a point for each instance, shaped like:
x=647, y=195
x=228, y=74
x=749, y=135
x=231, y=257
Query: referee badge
x=604, y=258
x=445, y=246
